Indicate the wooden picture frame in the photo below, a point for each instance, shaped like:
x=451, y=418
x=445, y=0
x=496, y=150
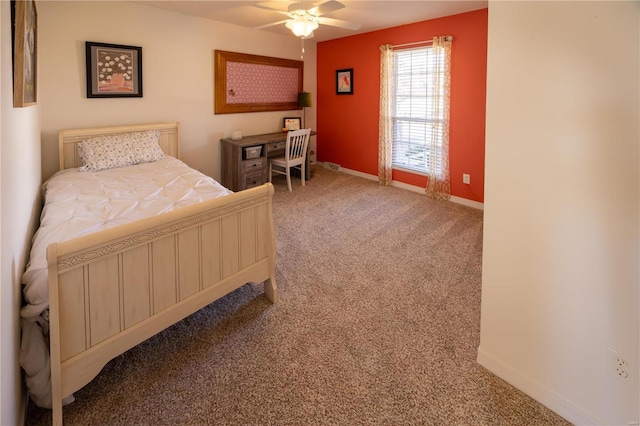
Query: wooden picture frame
x=25, y=48
x=291, y=123
x=253, y=83
x=113, y=70
x=344, y=82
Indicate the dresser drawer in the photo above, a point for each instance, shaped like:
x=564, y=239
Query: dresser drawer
x=254, y=179
x=276, y=146
x=248, y=166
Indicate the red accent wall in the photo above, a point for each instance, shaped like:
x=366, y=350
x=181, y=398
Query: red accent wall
x=348, y=124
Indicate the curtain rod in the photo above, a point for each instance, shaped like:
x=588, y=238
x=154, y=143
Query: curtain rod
x=448, y=38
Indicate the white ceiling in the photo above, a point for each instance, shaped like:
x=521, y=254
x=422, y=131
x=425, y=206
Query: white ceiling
x=373, y=15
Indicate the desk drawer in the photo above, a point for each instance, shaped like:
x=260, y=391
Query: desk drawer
x=254, y=179
x=276, y=146
x=255, y=164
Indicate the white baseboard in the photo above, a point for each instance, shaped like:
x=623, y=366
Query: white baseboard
x=359, y=174
x=466, y=202
x=540, y=393
x=413, y=188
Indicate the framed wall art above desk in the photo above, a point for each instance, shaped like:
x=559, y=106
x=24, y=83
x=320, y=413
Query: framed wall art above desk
x=252, y=83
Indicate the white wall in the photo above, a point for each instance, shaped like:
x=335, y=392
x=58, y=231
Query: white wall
x=178, y=86
x=177, y=54
x=561, y=235
x=19, y=209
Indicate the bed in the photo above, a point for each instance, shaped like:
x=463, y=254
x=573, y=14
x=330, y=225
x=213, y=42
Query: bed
x=112, y=289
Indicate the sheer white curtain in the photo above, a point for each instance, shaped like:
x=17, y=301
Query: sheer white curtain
x=386, y=114
x=438, y=186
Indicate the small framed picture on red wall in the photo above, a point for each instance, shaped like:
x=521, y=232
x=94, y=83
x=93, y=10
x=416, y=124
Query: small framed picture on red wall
x=344, y=82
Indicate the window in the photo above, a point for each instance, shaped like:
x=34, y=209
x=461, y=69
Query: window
x=416, y=102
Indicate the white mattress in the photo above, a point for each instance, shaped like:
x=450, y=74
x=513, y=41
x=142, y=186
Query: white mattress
x=79, y=203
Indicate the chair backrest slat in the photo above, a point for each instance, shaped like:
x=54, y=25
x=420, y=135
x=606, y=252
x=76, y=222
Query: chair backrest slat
x=296, y=146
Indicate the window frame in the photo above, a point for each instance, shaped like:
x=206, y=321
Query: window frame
x=425, y=121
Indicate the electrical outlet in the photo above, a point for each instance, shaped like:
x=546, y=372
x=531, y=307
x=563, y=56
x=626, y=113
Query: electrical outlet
x=619, y=365
x=466, y=178
x=622, y=368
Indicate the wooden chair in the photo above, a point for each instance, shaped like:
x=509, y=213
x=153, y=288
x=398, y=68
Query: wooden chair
x=295, y=156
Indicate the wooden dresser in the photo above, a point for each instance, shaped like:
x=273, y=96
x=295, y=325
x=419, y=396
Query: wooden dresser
x=245, y=161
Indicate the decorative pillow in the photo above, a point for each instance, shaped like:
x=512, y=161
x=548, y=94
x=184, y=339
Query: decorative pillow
x=145, y=148
x=108, y=152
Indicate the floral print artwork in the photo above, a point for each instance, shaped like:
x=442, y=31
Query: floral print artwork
x=114, y=70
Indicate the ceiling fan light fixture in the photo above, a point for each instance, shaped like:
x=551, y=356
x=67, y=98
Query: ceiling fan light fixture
x=302, y=25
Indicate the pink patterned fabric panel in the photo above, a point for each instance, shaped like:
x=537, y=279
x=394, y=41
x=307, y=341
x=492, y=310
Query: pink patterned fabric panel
x=251, y=83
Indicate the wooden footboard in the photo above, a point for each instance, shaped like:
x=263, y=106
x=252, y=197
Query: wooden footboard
x=111, y=290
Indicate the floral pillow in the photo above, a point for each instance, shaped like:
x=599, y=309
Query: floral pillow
x=108, y=152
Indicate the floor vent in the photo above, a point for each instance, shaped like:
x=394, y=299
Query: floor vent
x=332, y=166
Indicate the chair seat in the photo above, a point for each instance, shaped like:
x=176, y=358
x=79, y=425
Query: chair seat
x=278, y=161
x=282, y=162
x=295, y=156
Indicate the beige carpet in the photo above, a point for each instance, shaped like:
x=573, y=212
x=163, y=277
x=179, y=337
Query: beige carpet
x=378, y=323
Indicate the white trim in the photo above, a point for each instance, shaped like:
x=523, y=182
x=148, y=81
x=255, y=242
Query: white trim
x=540, y=393
x=466, y=202
x=458, y=200
x=359, y=174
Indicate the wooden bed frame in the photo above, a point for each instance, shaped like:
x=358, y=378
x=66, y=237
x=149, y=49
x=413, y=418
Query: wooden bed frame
x=111, y=290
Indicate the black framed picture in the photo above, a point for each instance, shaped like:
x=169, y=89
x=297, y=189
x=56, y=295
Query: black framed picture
x=113, y=70
x=344, y=82
x=291, y=123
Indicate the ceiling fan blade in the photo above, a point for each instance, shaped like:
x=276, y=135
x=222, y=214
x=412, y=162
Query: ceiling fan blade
x=326, y=7
x=271, y=5
x=270, y=25
x=297, y=7
x=339, y=23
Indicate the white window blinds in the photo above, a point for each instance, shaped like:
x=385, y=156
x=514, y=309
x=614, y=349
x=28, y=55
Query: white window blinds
x=416, y=101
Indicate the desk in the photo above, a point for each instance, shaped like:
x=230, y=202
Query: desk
x=240, y=172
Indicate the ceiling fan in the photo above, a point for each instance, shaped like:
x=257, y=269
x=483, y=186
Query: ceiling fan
x=304, y=18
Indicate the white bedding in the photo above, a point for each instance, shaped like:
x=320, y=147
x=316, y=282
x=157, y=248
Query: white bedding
x=80, y=203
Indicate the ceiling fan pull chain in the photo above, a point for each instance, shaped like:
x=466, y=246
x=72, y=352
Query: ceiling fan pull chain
x=302, y=46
